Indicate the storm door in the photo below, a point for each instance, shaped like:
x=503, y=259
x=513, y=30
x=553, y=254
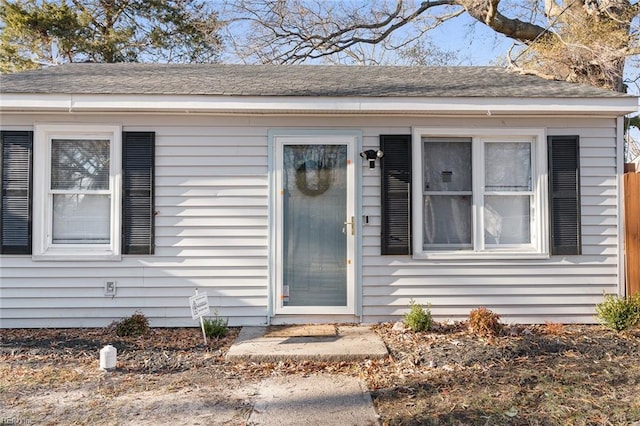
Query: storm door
x=315, y=225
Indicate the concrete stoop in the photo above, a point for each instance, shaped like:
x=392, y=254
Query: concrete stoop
x=350, y=343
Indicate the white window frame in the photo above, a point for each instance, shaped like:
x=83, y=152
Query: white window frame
x=539, y=246
x=43, y=246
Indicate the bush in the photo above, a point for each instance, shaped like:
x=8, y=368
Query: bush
x=216, y=326
x=418, y=318
x=134, y=326
x=619, y=313
x=484, y=322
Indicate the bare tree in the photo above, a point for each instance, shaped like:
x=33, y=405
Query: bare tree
x=578, y=40
x=336, y=32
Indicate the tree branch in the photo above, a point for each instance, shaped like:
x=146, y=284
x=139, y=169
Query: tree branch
x=511, y=27
x=81, y=6
x=325, y=30
x=349, y=42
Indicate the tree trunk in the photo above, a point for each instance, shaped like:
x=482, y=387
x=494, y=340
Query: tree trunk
x=487, y=13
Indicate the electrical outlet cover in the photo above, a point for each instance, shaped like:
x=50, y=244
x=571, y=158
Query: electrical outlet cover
x=110, y=288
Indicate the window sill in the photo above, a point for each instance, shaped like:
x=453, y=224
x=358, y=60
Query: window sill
x=469, y=255
x=76, y=255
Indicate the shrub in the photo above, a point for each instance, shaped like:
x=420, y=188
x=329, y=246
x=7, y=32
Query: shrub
x=484, y=322
x=134, y=326
x=619, y=313
x=418, y=318
x=216, y=326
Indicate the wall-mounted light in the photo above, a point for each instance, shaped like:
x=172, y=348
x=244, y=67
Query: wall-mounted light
x=371, y=155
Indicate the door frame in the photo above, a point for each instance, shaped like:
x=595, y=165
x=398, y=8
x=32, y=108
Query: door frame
x=277, y=139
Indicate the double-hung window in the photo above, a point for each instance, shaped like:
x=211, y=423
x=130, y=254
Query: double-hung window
x=77, y=192
x=479, y=193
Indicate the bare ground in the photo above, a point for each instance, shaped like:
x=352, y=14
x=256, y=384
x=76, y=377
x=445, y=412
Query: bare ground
x=537, y=375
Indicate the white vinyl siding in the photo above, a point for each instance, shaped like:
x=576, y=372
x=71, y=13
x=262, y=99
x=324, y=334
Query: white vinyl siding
x=561, y=288
x=212, y=233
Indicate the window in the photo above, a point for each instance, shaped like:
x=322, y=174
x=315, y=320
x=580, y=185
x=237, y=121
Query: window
x=479, y=193
x=69, y=207
x=508, y=194
x=447, y=193
x=77, y=191
x=80, y=170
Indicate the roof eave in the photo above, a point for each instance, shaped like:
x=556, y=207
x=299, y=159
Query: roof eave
x=118, y=103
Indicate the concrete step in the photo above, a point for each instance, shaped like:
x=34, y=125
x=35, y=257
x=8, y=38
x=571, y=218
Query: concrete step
x=350, y=343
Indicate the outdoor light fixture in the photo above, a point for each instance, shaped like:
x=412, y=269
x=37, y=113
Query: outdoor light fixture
x=371, y=155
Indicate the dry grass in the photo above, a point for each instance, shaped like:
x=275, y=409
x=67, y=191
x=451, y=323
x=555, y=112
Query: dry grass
x=28, y=377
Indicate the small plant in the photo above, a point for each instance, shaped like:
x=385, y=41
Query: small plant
x=418, y=318
x=619, y=313
x=553, y=328
x=484, y=322
x=134, y=326
x=216, y=326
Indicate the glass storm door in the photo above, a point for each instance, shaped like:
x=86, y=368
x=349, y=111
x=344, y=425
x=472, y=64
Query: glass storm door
x=315, y=221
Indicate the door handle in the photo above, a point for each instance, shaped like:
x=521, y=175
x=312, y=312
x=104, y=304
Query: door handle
x=353, y=225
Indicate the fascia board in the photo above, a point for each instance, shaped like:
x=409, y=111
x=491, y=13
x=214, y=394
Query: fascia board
x=10, y=102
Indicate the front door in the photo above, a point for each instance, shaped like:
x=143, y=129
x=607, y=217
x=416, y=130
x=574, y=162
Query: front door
x=315, y=213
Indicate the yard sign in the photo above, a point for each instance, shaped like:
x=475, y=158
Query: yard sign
x=199, y=304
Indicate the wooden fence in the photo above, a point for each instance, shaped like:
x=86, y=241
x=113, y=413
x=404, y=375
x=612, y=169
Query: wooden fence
x=632, y=228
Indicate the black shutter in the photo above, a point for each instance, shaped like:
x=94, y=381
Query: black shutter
x=16, y=150
x=396, y=194
x=564, y=194
x=138, y=152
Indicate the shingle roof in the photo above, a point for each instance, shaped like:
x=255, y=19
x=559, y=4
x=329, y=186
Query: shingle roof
x=291, y=80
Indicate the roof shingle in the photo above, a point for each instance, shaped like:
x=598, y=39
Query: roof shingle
x=291, y=80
